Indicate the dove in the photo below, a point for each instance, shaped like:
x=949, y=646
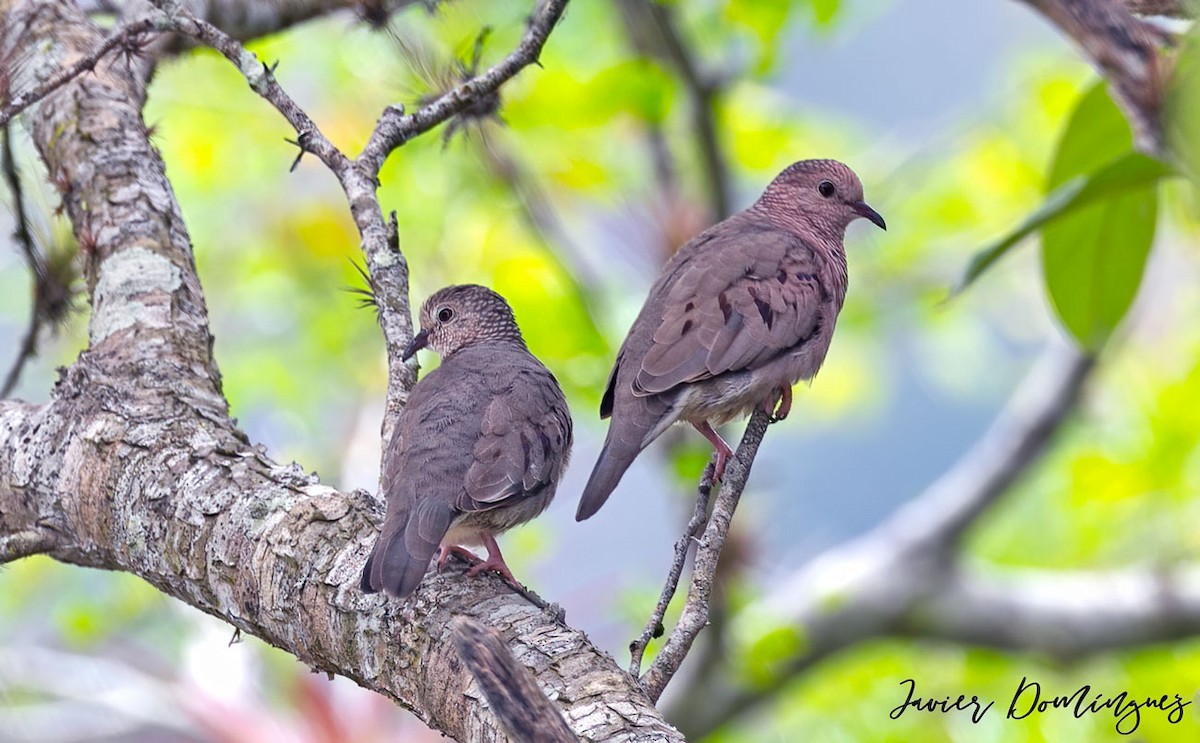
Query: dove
x=478, y=449
x=737, y=316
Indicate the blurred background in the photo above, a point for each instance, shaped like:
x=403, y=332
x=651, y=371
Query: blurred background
x=596, y=167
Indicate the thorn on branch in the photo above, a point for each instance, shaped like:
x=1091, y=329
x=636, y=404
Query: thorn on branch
x=368, y=296
x=303, y=142
x=122, y=37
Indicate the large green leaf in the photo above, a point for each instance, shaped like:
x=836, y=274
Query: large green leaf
x=1093, y=262
x=1093, y=257
x=1130, y=172
x=1097, y=221
x=1095, y=135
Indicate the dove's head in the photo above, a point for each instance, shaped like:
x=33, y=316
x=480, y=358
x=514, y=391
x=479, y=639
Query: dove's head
x=463, y=315
x=823, y=195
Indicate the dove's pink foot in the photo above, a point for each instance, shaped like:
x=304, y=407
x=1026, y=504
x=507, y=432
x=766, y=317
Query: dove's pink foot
x=448, y=549
x=494, y=561
x=784, y=404
x=723, y=450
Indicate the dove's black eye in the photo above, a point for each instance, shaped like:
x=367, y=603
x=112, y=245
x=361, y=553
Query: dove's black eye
x=825, y=188
x=445, y=314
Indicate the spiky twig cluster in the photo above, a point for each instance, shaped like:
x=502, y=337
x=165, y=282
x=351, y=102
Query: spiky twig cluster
x=54, y=272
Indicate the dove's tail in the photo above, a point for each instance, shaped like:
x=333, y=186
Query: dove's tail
x=402, y=554
x=615, y=458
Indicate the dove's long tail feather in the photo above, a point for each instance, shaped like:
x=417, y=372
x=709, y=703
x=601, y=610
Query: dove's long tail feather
x=402, y=554
x=615, y=458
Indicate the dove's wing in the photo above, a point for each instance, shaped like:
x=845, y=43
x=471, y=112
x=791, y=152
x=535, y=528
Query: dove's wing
x=737, y=304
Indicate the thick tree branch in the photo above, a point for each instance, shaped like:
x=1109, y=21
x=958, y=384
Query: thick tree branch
x=511, y=690
x=121, y=38
x=158, y=483
x=134, y=465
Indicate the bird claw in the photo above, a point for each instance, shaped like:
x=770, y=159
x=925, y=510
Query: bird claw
x=466, y=554
x=778, y=409
x=495, y=565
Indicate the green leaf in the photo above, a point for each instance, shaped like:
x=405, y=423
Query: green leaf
x=1129, y=172
x=1094, y=256
x=1095, y=135
x=1093, y=262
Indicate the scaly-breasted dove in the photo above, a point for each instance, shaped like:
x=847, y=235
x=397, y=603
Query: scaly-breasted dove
x=479, y=447
x=738, y=315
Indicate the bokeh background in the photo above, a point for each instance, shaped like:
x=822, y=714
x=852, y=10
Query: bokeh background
x=567, y=203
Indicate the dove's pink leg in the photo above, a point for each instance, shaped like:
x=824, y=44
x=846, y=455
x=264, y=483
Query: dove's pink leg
x=463, y=552
x=494, y=561
x=785, y=405
x=723, y=450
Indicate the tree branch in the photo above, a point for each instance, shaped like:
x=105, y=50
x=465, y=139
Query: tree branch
x=386, y=263
x=134, y=465
x=165, y=488
x=513, y=694
x=708, y=554
x=1169, y=8
x=395, y=127
x=691, y=534
x=1065, y=615
x=884, y=581
x=28, y=347
x=1125, y=49
x=652, y=31
x=122, y=37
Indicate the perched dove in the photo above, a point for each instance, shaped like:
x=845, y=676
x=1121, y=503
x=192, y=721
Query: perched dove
x=738, y=315
x=478, y=449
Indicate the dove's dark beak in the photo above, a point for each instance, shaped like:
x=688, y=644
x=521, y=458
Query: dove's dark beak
x=419, y=341
x=861, y=209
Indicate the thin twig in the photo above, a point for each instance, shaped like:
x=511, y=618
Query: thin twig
x=654, y=625
x=262, y=81
x=652, y=30
x=395, y=127
x=119, y=38
x=708, y=554
x=37, y=267
x=885, y=581
x=511, y=691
